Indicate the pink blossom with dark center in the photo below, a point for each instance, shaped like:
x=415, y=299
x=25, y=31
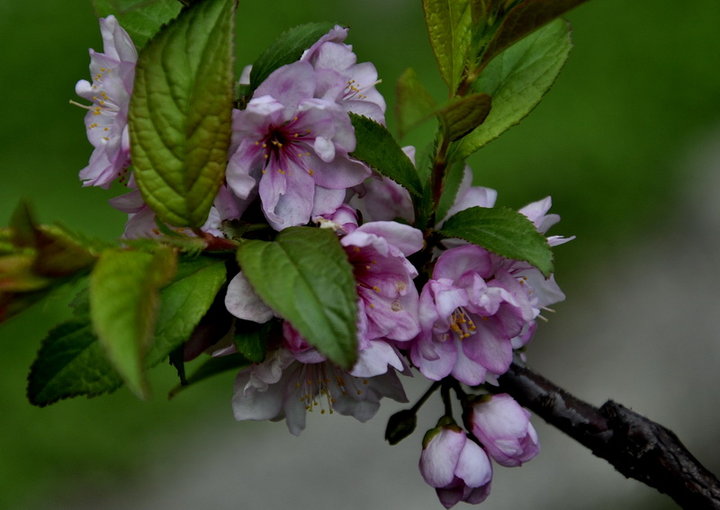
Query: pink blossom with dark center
x=293, y=148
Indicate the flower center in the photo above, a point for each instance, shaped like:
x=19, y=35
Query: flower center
x=320, y=384
x=461, y=324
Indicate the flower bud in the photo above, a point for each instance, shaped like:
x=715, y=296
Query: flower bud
x=400, y=425
x=504, y=429
x=458, y=468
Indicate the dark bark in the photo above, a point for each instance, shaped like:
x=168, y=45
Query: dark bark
x=637, y=447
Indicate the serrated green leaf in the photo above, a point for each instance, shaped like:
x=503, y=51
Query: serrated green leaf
x=502, y=231
x=377, y=148
x=305, y=277
x=517, y=80
x=523, y=19
x=141, y=19
x=449, y=25
x=413, y=103
x=72, y=362
x=287, y=48
x=211, y=367
x=463, y=115
x=124, y=287
x=180, y=112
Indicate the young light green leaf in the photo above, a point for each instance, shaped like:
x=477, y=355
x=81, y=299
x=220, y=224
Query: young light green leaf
x=211, y=367
x=141, y=19
x=180, y=112
x=72, y=362
x=517, y=80
x=413, y=103
x=526, y=17
x=286, y=49
x=502, y=231
x=463, y=115
x=305, y=277
x=377, y=148
x=124, y=288
x=449, y=24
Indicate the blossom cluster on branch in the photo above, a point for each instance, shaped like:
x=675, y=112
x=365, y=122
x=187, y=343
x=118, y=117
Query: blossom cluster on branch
x=275, y=224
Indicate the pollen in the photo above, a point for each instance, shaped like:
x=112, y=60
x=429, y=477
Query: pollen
x=461, y=324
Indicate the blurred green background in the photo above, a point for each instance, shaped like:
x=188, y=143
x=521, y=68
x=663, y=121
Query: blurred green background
x=642, y=85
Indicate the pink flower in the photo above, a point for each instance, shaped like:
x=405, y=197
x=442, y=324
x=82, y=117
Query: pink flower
x=293, y=147
x=112, y=73
x=388, y=299
x=457, y=467
x=474, y=311
x=341, y=79
x=504, y=429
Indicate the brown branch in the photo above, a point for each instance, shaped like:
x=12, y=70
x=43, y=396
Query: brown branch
x=637, y=447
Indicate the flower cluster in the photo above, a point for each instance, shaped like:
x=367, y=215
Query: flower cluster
x=459, y=466
x=290, y=163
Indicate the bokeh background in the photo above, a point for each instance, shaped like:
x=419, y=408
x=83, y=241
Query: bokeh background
x=628, y=144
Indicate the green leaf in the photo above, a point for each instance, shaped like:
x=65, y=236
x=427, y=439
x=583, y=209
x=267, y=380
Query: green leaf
x=504, y=232
x=72, y=362
x=305, y=277
x=377, y=148
x=449, y=25
x=140, y=18
x=463, y=115
x=211, y=367
x=517, y=80
x=124, y=288
x=180, y=112
x=451, y=186
x=523, y=19
x=251, y=339
x=184, y=302
x=286, y=49
x=413, y=103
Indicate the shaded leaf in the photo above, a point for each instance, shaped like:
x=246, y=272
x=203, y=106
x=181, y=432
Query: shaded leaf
x=502, y=231
x=124, y=288
x=180, y=112
x=305, y=277
x=70, y=363
x=451, y=186
x=377, y=148
x=141, y=19
x=286, y=49
x=413, y=103
x=251, y=339
x=523, y=19
x=517, y=80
